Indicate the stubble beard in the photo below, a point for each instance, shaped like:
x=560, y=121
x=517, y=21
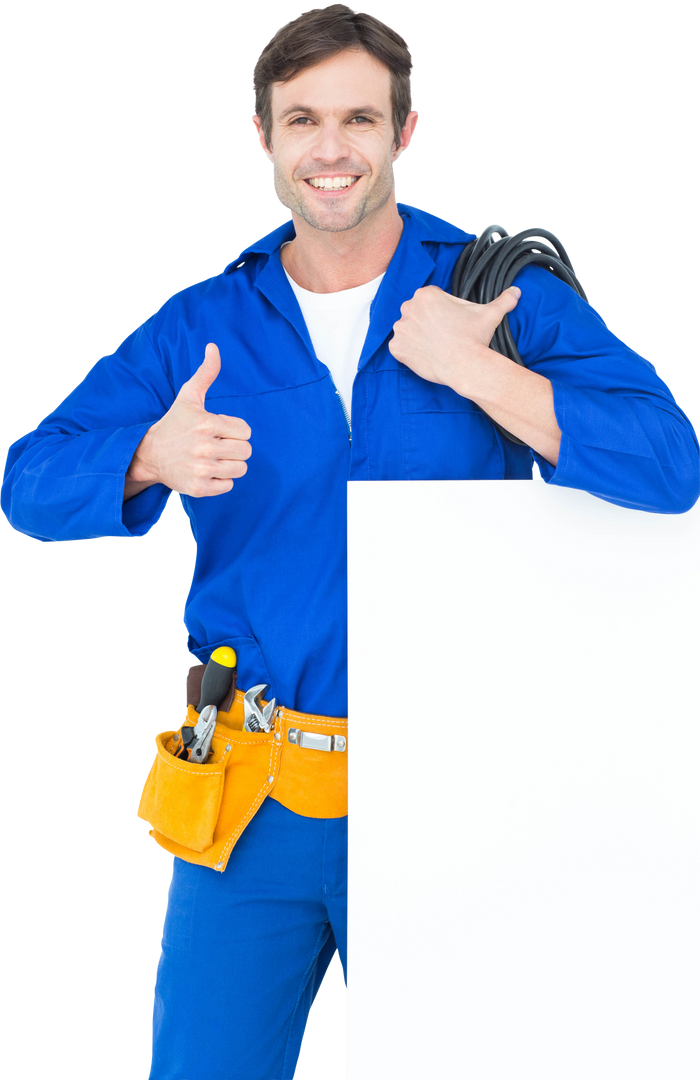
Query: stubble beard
x=334, y=218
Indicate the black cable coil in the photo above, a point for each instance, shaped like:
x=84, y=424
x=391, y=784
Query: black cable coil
x=489, y=265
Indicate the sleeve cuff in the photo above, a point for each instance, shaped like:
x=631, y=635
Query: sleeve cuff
x=555, y=473
x=141, y=512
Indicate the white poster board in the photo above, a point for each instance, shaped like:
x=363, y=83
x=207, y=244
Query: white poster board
x=524, y=799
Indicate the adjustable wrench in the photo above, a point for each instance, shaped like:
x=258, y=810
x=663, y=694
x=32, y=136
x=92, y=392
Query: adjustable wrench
x=255, y=718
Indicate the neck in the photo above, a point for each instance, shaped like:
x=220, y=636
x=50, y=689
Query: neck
x=333, y=261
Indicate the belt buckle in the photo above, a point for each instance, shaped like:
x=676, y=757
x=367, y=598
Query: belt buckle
x=311, y=741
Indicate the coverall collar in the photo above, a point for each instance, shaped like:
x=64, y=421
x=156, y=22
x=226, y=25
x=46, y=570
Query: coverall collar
x=410, y=267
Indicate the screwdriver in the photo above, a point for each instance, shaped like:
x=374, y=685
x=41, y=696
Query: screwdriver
x=218, y=676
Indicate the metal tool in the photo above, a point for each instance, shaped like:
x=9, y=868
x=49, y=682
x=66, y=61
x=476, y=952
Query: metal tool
x=255, y=718
x=194, y=743
x=197, y=741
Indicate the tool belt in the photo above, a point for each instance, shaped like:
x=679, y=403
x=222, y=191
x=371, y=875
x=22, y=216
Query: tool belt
x=198, y=811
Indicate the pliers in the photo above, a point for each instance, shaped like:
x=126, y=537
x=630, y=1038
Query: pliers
x=194, y=743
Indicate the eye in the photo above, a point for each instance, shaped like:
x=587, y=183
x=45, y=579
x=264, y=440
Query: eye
x=361, y=120
x=366, y=119
x=302, y=121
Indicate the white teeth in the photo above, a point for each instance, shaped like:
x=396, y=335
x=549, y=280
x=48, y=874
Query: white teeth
x=328, y=183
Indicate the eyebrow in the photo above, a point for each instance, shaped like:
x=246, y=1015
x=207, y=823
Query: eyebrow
x=364, y=110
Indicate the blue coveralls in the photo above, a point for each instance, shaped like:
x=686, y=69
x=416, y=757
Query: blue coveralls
x=270, y=575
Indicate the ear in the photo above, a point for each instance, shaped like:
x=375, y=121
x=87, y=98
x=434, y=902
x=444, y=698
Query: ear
x=408, y=132
x=257, y=127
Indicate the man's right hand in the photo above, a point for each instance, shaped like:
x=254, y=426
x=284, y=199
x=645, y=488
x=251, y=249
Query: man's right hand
x=191, y=450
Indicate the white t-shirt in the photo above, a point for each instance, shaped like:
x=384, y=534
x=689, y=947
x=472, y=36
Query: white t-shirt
x=337, y=323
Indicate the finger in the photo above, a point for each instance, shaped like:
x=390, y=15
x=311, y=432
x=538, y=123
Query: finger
x=231, y=450
x=505, y=302
x=228, y=470
x=195, y=389
x=230, y=427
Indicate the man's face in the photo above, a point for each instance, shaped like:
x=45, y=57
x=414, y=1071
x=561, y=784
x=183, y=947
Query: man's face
x=333, y=141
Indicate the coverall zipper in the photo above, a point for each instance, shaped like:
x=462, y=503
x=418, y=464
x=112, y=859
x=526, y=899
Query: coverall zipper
x=342, y=405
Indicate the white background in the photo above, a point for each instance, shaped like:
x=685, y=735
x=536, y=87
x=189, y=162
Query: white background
x=524, y=804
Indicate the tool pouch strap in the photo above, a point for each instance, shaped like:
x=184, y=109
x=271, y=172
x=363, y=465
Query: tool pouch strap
x=199, y=811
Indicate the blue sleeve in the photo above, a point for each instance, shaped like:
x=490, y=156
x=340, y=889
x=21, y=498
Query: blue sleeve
x=624, y=438
x=65, y=481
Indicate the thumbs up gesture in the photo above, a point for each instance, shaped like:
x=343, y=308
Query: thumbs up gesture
x=191, y=450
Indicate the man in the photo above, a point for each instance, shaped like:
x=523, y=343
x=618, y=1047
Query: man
x=342, y=310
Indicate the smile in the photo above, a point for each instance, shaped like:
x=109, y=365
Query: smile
x=332, y=183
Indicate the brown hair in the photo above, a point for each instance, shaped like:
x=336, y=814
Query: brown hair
x=315, y=36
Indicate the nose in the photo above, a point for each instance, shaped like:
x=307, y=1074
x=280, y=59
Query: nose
x=331, y=144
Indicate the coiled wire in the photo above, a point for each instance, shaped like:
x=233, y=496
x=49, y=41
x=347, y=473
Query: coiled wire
x=489, y=264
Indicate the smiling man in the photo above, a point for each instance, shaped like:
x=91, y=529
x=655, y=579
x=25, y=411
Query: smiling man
x=336, y=128
x=333, y=166
x=334, y=347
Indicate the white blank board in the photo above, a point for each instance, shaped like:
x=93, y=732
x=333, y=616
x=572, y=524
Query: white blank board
x=524, y=807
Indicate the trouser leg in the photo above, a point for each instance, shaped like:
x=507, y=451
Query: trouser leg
x=244, y=952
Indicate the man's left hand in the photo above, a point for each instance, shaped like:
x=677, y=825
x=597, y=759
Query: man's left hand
x=442, y=338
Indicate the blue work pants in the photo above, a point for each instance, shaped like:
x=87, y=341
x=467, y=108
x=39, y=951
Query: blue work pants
x=244, y=951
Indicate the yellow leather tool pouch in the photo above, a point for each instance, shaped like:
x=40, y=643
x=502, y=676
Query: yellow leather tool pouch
x=198, y=812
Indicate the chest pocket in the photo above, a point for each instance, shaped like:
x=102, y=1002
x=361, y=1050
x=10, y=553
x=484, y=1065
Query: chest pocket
x=445, y=436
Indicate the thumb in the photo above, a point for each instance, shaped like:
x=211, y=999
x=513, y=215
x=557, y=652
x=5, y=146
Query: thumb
x=505, y=302
x=195, y=389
